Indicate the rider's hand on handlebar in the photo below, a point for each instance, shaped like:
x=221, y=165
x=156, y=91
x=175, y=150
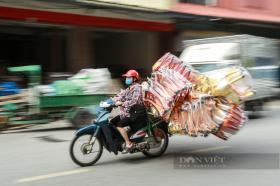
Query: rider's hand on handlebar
x=119, y=103
x=104, y=104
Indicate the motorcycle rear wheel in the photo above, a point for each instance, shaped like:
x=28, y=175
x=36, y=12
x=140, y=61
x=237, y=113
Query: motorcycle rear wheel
x=163, y=137
x=83, y=153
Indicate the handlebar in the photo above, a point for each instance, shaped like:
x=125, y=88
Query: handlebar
x=104, y=104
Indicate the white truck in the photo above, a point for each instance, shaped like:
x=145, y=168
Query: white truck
x=259, y=55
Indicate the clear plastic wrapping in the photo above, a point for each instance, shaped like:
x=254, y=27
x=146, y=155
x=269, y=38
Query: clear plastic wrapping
x=194, y=103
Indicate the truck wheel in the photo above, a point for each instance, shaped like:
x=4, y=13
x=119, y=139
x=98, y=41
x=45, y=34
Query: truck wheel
x=256, y=110
x=82, y=118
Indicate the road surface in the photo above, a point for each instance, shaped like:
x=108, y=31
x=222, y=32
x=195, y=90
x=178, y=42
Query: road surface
x=41, y=158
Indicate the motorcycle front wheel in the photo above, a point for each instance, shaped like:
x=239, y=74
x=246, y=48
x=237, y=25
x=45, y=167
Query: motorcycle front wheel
x=85, y=150
x=161, y=138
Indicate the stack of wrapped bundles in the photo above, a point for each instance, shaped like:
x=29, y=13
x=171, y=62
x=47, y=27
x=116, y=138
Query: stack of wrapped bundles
x=194, y=103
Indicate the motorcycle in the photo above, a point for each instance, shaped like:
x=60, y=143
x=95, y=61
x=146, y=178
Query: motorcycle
x=86, y=148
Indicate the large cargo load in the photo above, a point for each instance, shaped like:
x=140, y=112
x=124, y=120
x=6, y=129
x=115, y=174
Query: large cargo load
x=194, y=103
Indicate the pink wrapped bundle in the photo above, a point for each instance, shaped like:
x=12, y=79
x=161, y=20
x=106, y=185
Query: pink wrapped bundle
x=230, y=118
x=199, y=120
x=167, y=91
x=178, y=117
x=171, y=79
x=178, y=121
x=166, y=61
x=151, y=101
x=170, y=61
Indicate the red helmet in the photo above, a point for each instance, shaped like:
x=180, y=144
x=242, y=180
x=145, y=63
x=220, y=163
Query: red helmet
x=131, y=73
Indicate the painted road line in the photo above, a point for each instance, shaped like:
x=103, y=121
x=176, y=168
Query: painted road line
x=53, y=175
x=210, y=149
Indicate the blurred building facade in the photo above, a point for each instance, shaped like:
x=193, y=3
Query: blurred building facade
x=68, y=35
x=71, y=35
x=271, y=7
x=211, y=18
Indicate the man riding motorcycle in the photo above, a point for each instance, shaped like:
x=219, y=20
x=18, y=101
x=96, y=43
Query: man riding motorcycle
x=127, y=99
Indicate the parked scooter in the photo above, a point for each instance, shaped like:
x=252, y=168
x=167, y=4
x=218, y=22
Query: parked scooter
x=87, y=146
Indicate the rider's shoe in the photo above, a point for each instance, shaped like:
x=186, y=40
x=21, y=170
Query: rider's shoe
x=128, y=148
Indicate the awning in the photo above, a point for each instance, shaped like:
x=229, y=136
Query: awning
x=42, y=16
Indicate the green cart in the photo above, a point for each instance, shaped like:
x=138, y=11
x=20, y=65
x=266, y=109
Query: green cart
x=79, y=109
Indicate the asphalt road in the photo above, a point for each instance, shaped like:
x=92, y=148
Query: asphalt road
x=41, y=158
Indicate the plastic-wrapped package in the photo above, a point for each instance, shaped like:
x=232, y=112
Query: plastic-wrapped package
x=169, y=61
x=166, y=90
x=230, y=117
x=198, y=112
x=233, y=83
x=96, y=81
x=178, y=121
x=152, y=102
x=194, y=103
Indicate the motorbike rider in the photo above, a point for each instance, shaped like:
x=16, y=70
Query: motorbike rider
x=126, y=99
